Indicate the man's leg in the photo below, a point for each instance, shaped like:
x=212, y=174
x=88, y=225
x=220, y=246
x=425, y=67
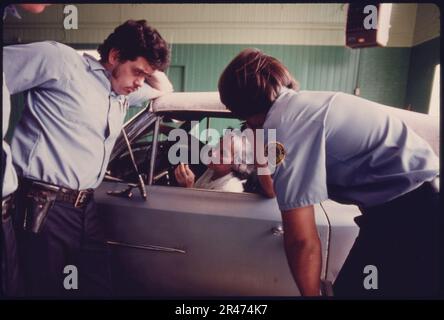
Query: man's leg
x=11, y=281
x=46, y=253
x=93, y=258
x=400, y=239
x=423, y=253
x=350, y=281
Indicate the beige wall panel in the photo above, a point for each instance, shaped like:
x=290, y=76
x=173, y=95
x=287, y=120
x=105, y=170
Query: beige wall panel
x=427, y=23
x=294, y=24
x=402, y=25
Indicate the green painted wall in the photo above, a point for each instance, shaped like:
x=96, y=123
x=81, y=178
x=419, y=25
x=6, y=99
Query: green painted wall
x=424, y=58
x=383, y=74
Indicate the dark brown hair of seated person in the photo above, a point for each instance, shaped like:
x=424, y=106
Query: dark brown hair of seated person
x=134, y=39
x=252, y=81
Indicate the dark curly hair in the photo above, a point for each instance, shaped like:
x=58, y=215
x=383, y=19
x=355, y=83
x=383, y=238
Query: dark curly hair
x=134, y=39
x=252, y=81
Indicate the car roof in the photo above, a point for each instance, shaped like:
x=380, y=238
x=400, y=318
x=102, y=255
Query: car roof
x=190, y=101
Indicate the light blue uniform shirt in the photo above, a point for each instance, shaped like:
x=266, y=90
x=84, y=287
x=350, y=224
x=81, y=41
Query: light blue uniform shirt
x=10, y=177
x=71, y=118
x=343, y=147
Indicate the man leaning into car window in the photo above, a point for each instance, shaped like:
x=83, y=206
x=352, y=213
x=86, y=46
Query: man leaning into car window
x=75, y=108
x=339, y=146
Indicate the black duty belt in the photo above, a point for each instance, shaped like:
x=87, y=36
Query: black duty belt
x=7, y=204
x=77, y=198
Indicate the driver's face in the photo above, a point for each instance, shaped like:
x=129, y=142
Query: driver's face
x=223, y=165
x=221, y=155
x=221, y=158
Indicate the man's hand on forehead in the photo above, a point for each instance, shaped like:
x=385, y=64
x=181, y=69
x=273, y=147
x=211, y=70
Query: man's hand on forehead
x=159, y=81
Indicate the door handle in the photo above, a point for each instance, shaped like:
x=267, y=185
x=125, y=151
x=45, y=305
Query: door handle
x=277, y=231
x=146, y=247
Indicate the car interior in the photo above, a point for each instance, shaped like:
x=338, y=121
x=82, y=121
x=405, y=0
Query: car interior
x=140, y=132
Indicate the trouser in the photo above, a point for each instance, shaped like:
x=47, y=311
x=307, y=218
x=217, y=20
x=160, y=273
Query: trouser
x=10, y=285
x=396, y=253
x=67, y=256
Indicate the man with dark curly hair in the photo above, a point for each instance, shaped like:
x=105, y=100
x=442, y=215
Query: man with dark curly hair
x=75, y=108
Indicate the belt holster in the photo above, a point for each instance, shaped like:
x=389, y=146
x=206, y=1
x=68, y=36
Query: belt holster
x=7, y=206
x=39, y=202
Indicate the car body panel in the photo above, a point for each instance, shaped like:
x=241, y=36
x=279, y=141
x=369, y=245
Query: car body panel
x=231, y=241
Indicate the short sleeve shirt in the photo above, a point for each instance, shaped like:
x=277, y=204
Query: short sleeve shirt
x=345, y=148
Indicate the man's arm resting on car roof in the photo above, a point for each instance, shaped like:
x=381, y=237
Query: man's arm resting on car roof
x=155, y=86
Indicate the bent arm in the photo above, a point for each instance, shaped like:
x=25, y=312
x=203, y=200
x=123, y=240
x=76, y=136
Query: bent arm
x=155, y=86
x=159, y=83
x=303, y=249
x=26, y=66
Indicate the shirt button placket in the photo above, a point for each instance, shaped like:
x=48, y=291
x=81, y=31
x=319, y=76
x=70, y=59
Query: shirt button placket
x=105, y=137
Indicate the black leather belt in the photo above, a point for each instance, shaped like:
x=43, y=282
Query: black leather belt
x=7, y=204
x=78, y=198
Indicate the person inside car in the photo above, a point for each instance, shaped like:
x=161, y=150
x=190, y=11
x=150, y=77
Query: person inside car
x=224, y=170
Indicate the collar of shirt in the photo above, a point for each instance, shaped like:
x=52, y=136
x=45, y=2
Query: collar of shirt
x=276, y=102
x=93, y=63
x=95, y=66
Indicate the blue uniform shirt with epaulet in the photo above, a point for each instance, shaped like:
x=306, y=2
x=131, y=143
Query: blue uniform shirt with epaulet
x=72, y=117
x=345, y=148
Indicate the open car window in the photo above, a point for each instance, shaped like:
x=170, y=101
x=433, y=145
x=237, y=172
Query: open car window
x=164, y=167
x=198, y=134
x=140, y=131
